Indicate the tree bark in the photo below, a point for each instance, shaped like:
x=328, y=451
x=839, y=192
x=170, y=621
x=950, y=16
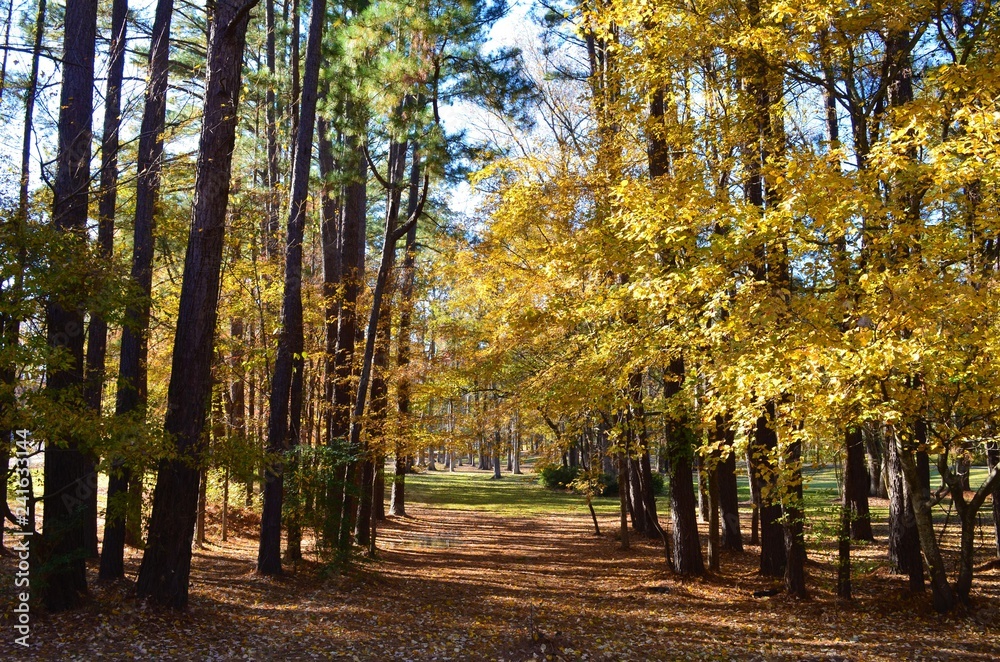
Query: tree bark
x=993, y=459
x=856, y=485
x=794, y=524
x=713, y=519
x=286, y=382
x=397, y=501
x=97, y=336
x=687, y=545
x=942, y=594
x=390, y=236
x=623, y=499
x=904, y=545
x=69, y=475
x=872, y=433
x=166, y=564
x=132, y=387
x=729, y=500
x=772, y=538
x=342, y=501
x=271, y=222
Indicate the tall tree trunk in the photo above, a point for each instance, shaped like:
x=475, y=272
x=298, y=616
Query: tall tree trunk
x=687, y=545
x=166, y=564
x=702, y=473
x=199, y=529
x=872, y=433
x=794, y=524
x=131, y=394
x=112, y=563
x=729, y=500
x=271, y=222
x=6, y=47
x=370, y=496
x=237, y=406
x=397, y=499
x=772, y=537
x=67, y=469
x=330, y=232
x=496, y=454
x=97, y=337
x=391, y=235
x=993, y=459
x=713, y=518
x=904, y=545
x=623, y=499
x=844, y=547
x=856, y=485
x=755, y=499
x=342, y=501
x=516, y=469
x=943, y=595
x=286, y=383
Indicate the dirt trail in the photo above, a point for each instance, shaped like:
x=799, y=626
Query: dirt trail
x=462, y=585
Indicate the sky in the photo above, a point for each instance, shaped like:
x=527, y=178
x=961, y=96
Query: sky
x=512, y=30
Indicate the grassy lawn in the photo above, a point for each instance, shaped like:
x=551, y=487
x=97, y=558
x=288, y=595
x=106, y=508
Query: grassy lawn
x=524, y=496
x=511, y=495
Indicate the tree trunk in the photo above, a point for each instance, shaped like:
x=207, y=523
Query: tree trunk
x=371, y=500
x=363, y=520
x=166, y=564
x=342, y=502
x=904, y=545
x=516, y=443
x=772, y=537
x=637, y=505
x=754, y=482
x=687, y=546
x=968, y=512
x=943, y=595
x=397, y=497
x=390, y=237
x=397, y=502
x=272, y=205
x=729, y=501
x=876, y=461
x=844, y=548
x=333, y=271
x=131, y=394
x=286, y=383
x=496, y=455
x=713, y=519
x=794, y=524
x=69, y=475
x=225, y=506
x=97, y=335
x=856, y=485
x=378, y=495
x=623, y=499
x=703, y=496
x=199, y=530
x=993, y=459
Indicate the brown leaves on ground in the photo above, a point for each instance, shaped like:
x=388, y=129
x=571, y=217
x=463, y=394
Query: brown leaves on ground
x=456, y=585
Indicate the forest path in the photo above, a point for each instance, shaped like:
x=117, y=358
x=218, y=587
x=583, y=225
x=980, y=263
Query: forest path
x=472, y=585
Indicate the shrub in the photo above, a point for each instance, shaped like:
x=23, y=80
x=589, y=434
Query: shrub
x=556, y=477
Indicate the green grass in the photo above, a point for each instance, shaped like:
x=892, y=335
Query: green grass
x=511, y=495
x=522, y=495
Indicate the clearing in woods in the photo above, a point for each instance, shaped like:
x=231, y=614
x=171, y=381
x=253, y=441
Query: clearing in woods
x=506, y=570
